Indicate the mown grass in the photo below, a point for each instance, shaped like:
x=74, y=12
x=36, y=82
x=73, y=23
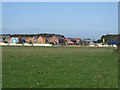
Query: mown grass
x=59, y=67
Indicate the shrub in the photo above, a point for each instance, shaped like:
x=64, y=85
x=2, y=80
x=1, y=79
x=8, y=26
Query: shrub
x=5, y=41
x=52, y=43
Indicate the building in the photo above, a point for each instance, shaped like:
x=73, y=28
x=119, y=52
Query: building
x=13, y=40
x=41, y=40
x=110, y=39
x=57, y=40
x=68, y=41
x=4, y=38
x=76, y=41
x=35, y=39
x=22, y=39
x=29, y=39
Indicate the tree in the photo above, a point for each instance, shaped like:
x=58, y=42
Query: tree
x=99, y=41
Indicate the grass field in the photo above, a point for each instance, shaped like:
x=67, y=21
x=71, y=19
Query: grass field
x=59, y=67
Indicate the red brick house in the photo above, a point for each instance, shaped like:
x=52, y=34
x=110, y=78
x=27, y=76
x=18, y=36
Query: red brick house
x=75, y=40
x=68, y=41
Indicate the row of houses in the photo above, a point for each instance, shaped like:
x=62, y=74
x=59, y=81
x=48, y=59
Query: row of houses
x=39, y=39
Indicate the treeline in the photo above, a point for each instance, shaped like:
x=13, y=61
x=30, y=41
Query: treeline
x=31, y=35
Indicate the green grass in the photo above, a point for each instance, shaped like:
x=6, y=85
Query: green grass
x=59, y=67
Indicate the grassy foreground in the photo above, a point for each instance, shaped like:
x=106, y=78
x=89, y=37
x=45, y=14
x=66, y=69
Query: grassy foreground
x=59, y=67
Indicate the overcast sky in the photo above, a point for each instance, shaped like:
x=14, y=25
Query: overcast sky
x=79, y=19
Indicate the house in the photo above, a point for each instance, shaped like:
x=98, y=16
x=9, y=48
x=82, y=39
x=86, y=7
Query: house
x=41, y=40
x=57, y=40
x=1, y=39
x=114, y=40
x=22, y=39
x=73, y=40
x=29, y=39
x=10, y=40
x=111, y=39
x=13, y=40
x=35, y=39
x=77, y=40
x=4, y=37
x=47, y=39
x=86, y=41
x=68, y=41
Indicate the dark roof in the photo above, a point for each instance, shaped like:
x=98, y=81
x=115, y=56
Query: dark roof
x=73, y=39
x=60, y=37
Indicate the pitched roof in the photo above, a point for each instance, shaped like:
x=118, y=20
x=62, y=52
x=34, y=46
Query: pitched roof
x=68, y=40
x=42, y=37
x=73, y=39
x=78, y=39
x=60, y=37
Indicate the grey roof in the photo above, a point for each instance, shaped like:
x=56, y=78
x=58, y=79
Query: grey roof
x=60, y=37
